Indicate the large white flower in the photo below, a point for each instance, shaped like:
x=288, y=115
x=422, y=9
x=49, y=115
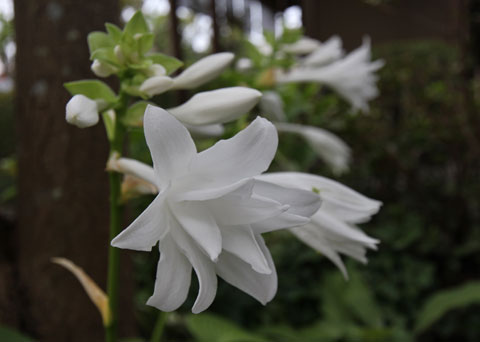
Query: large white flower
x=332, y=229
x=210, y=211
x=352, y=76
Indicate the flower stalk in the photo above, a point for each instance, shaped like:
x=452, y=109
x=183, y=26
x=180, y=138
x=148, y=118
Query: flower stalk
x=116, y=210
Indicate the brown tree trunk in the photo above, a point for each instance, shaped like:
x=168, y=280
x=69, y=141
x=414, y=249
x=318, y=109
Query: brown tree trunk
x=62, y=188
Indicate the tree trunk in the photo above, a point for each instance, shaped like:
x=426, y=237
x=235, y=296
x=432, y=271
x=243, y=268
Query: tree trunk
x=62, y=188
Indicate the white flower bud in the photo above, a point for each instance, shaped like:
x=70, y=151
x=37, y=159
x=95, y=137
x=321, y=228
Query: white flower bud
x=157, y=70
x=216, y=106
x=102, y=69
x=82, y=111
x=156, y=85
x=206, y=69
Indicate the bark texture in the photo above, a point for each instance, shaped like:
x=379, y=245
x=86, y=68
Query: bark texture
x=63, y=188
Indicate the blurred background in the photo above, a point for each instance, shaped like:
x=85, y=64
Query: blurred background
x=417, y=150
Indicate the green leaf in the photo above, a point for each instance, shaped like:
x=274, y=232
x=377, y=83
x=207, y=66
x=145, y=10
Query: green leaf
x=134, y=115
x=99, y=40
x=136, y=24
x=134, y=91
x=145, y=42
x=114, y=32
x=443, y=301
x=10, y=335
x=168, y=62
x=93, y=89
x=210, y=328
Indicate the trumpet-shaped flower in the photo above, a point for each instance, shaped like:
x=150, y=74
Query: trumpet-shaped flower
x=210, y=211
x=332, y=229
x=352, y=76
x=202, y=71
x=82, y=111
x=216, y=106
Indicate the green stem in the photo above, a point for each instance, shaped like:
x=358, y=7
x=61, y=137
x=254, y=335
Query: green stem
x=116, y=211
x=157, y=333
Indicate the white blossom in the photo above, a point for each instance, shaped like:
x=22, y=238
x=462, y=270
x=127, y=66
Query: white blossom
x=82, y=111
x=332, y=229
x=352, y=76
x=210, y=212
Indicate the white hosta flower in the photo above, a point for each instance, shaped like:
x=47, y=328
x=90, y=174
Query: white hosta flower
x=352, y=76
x=271, y=105
x=210, y=212
x=202, y=71
x=327, y=52
x=102, y=69
x=216, y=106
x=156, y=85
x=302, y=46
x=333, y=150
x=82, y=111
x=332, y=229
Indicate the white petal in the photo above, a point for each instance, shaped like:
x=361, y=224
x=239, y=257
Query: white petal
x=238, y=273
x=241, y=242
x=327, y=145
x=204, y=269
x=271, y=106
x=216, y=106
x=170, y=144
x=132, y=167
x=101, y=69
x=206, y=131
x=303, y=46
x=196, y=219
x=156, y=85
x=301, y=202
x=282, y=221
x=174, y=273
x=247, y=154
x=308, y=234
x=81, y=111
x=202, y=71
x=233, y=209
x=143, y=233
x=337, y=199
x=326, y=53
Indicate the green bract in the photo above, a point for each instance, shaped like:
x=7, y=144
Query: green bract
x=93, y=89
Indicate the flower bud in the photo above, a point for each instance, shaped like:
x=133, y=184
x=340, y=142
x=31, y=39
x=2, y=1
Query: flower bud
x=81, y=111
x=102, y=69
x=216, y=106
x=206, y=69
x=156, y=85
x=157, y=70
x=117, y=50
